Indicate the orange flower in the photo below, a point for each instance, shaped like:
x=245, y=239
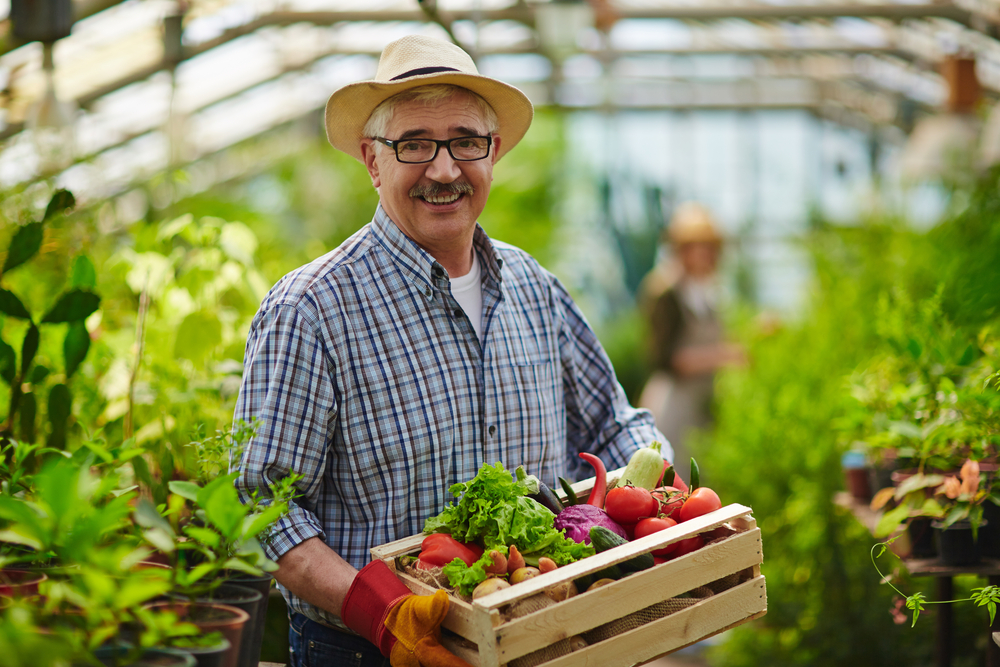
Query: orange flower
x=951, y=487
x=970, y=477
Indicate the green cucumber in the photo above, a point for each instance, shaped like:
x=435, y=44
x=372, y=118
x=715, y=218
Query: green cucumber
x=614, y=572
x=603, y=539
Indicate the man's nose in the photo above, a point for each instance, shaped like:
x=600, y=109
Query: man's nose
x=443, y=168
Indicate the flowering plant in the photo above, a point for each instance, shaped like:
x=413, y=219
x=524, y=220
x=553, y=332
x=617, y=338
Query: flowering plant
x=964, y=495
x=949, y=498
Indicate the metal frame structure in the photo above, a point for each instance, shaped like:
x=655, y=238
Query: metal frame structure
x=861, y=64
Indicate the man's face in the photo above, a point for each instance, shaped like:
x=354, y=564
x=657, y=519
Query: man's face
x=435, y=203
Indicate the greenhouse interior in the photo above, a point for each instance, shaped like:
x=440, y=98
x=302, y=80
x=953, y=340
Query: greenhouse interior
x=741, y=271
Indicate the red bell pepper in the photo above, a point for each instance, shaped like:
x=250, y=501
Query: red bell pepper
x=600, y=480
x=439, y=549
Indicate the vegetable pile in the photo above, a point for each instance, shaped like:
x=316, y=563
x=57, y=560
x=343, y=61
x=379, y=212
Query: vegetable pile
x=494, y=510
x=504, y=528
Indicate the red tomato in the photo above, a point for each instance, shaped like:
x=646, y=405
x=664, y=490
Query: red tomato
x=688, y=545
x=670, y=499
x=701, y=501
x=628, y=504
x=654, y=525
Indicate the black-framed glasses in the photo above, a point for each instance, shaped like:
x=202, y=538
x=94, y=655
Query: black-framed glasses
x=416, y=151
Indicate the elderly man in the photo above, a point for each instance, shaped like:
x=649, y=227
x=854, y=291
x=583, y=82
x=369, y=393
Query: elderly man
x=402, y=361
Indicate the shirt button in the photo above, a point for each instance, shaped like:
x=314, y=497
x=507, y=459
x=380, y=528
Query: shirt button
x=438, y=271
x=493, y=430
x=427, y=291
x=457, y=312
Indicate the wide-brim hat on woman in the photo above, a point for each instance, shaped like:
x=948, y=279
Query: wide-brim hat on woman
x=692, y=223
x=414, y=61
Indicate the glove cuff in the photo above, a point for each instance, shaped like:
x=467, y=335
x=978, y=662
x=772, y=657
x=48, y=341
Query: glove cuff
x=373, y=593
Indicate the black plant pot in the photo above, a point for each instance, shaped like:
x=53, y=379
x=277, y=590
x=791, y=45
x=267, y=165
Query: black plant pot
x=956, y=547
x=989, y=531
x=252, y=602
x=921, y=535
x=253, y=634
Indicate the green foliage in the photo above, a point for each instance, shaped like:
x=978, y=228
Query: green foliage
x=73, y=306
x=527, y=187
x=773, y=449
x=983, y=596
x=890, y=350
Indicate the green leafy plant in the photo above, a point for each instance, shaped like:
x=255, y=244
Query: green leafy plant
x=206, y=531
x=73, y=521
x=216, y=454
x=71, y=308
x=986, y=596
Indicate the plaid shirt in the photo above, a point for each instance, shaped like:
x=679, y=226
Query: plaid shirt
x=370, y=381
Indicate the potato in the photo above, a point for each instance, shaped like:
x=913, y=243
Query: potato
x=600, y=582
x=563, y=591
x=491, y=585
x=523, y=574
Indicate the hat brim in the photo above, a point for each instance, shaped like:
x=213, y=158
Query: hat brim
x=348, y=109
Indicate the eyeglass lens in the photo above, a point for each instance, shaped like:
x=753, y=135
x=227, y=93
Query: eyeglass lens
x=461, y=148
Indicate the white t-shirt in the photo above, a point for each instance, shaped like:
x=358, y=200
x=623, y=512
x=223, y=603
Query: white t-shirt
x=468, y=291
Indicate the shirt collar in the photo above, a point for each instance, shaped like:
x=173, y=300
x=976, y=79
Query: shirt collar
x=417, y=261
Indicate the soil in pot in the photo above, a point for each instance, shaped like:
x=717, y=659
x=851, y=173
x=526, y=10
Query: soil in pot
x=112, y=656
x=956, y=547
x=208, y=656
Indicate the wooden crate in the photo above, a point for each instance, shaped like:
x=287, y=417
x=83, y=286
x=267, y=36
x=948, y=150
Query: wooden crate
x=500, y=641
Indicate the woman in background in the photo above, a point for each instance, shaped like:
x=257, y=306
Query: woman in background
x=680, y=299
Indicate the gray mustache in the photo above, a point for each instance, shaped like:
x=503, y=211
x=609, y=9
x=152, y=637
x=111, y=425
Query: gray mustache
x=456, y=188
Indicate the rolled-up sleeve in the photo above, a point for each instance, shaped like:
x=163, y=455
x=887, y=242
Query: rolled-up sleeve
x=288, y=387
x=599, y=418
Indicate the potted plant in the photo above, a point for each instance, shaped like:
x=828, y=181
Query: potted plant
x=963, y=498
x=208, y=535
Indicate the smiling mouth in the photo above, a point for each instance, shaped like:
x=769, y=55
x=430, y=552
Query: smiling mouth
x=442, y=195
x=442, y=198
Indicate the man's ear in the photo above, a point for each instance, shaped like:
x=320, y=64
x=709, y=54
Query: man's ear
x=496, y=147
x=368, y=153
x=495, y=152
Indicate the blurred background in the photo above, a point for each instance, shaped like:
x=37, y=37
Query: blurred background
x=843, y=150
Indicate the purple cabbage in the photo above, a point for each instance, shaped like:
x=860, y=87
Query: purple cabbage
x=577, y=520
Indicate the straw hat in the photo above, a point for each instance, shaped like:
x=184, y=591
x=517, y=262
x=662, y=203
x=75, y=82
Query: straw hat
x=692, y=223
x=420, y=61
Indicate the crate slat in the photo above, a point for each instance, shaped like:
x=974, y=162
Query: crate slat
x=607, y=603
x=709, y=617
x=398, y=548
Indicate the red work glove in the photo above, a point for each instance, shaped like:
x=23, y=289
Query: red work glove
x=374, y=596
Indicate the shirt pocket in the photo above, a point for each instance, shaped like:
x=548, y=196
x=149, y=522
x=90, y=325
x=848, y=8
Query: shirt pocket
x=530, y=406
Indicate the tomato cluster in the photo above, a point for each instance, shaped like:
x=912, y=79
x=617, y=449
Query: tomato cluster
x=642, y=512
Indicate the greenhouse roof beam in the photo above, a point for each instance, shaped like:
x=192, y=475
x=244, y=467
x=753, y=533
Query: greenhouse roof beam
x=859, y=104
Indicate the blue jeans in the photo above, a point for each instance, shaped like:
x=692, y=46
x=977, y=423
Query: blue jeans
x=313, y=644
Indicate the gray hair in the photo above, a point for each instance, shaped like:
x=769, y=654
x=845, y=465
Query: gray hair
x=378, y=122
